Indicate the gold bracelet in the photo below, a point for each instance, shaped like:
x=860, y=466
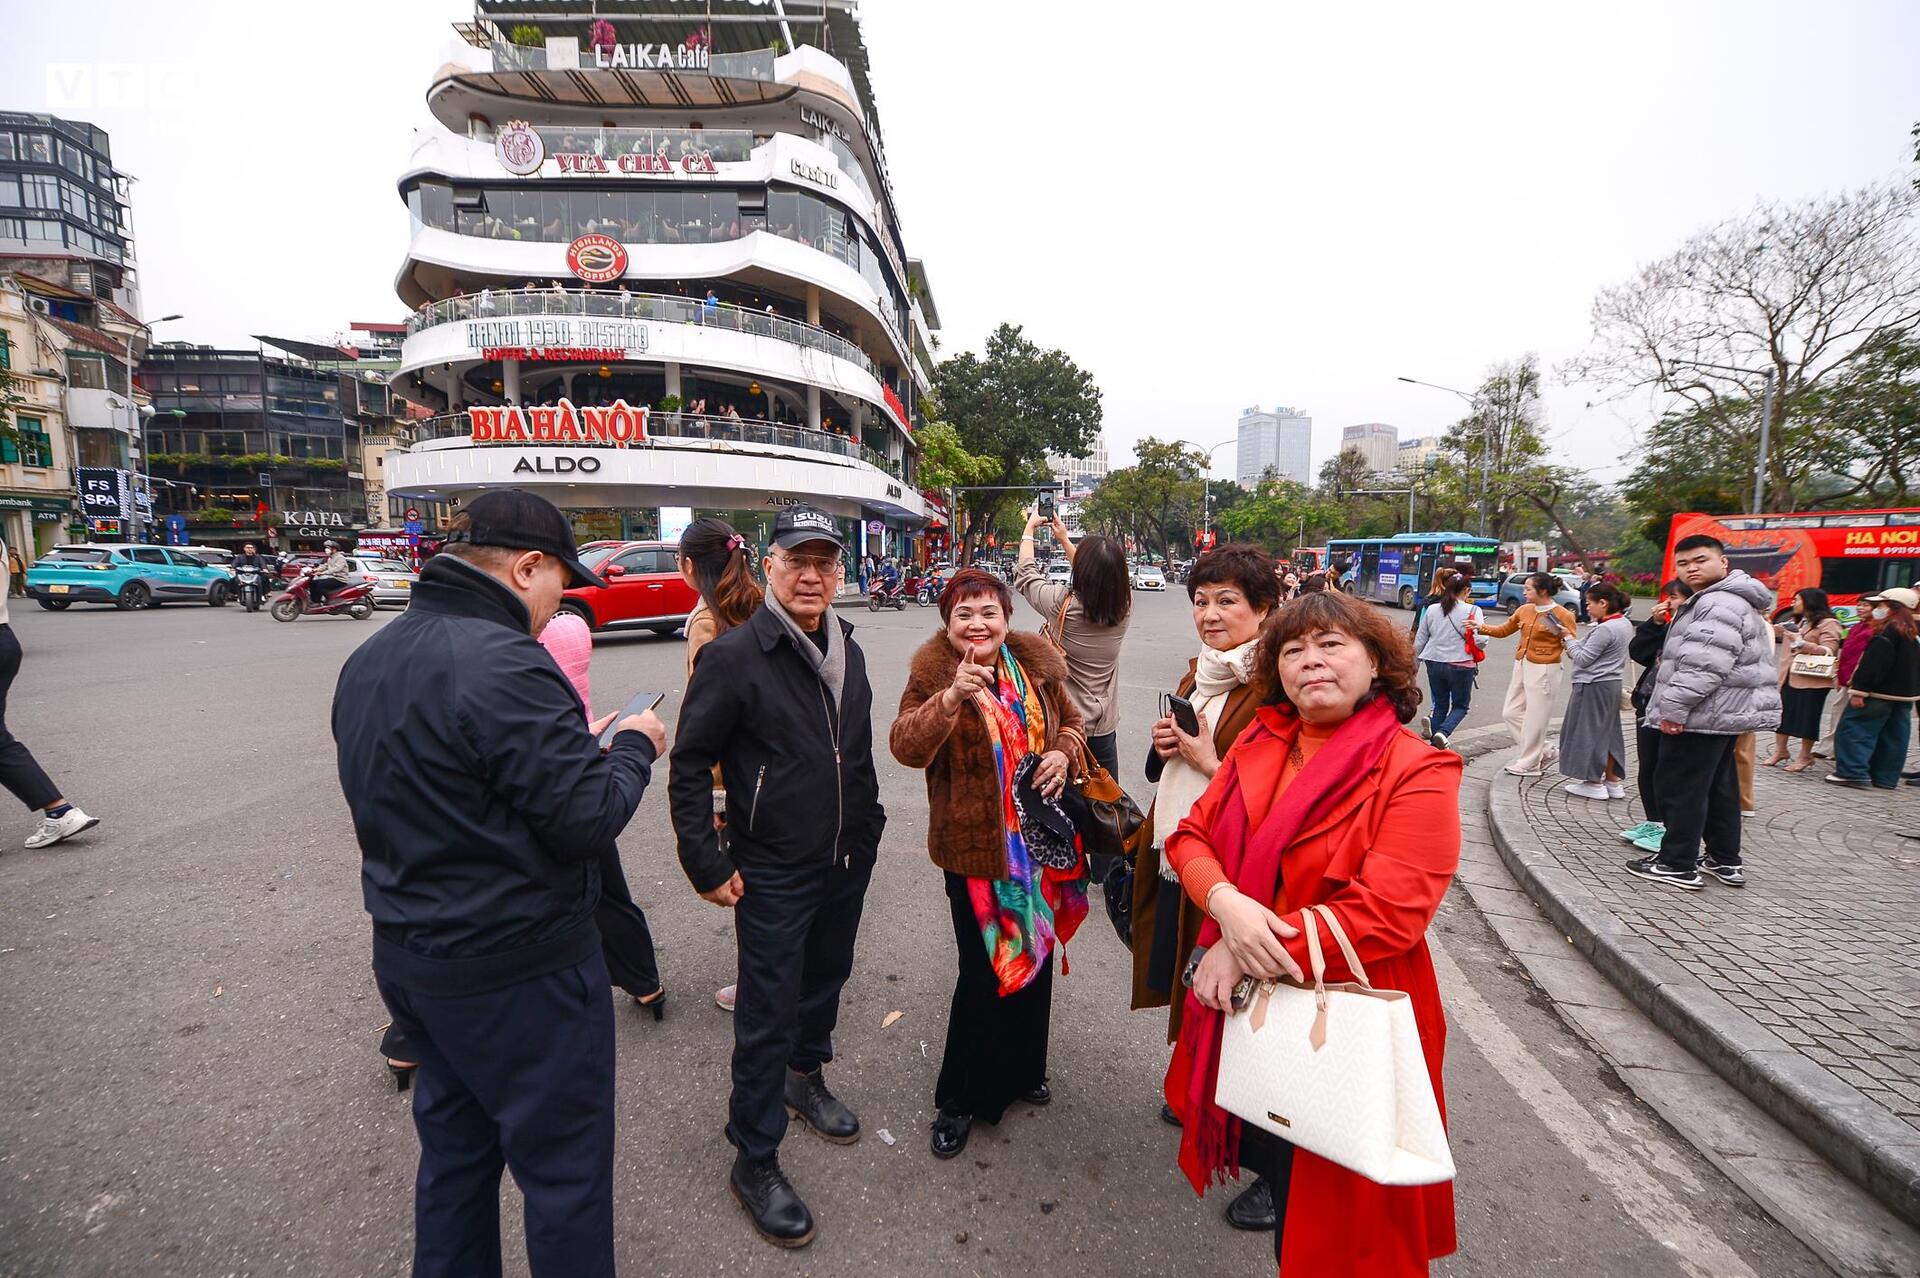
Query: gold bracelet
x=1207, y=909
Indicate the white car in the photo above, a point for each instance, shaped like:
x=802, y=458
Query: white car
x=1061, y=571
x=392, y=580
x=1147, y=577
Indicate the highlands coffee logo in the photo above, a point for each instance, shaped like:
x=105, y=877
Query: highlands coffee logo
x=616, y=424
x=597, y=258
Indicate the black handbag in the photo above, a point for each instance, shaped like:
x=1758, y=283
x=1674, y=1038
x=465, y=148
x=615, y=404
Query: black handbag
x=1108, y=820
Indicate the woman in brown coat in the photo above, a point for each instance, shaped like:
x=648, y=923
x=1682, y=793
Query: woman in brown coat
x=984, y=711
x=1233, y=588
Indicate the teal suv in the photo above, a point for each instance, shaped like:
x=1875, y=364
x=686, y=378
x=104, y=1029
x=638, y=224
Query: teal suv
x=125, y=576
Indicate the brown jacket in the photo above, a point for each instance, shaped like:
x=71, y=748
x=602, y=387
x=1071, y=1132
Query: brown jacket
x=964, y=830
x=1235, y=718
x=1538, y=642
x=1823, y=640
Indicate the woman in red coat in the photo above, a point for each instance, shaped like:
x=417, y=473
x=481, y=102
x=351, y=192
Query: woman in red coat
x=1325, y=799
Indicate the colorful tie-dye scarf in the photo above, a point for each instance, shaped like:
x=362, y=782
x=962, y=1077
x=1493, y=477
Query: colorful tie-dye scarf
x=1023, y=916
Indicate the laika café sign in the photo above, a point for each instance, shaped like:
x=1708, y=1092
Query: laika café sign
x=651, y=57
x=617, y=424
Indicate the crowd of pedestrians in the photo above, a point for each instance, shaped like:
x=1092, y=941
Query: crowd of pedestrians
x=489, y=856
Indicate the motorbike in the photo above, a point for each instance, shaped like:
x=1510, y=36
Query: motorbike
x=354, y=599
x=252, y=585
x=884, y=596
x=927, y=591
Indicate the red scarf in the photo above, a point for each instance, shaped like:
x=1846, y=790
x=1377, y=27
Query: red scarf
x=1210, y=1137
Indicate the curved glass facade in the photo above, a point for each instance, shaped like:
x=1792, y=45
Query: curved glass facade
x=549, y=214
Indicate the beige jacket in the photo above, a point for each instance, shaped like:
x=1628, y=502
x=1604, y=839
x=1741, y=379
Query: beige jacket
x=1093, y=652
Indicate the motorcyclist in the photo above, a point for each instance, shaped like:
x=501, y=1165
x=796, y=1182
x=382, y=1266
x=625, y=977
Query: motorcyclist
x=331, y=574
x=250, y=557
x=890, y=575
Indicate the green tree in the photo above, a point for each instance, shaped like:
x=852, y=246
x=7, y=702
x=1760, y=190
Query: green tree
x=946, y=465
x=1279, y=513
x=1343, y=473
x=1015, y=405
x=1802, y=291
x=1155, y=502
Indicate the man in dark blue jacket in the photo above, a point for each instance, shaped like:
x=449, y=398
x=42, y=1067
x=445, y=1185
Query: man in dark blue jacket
x=482, y=803
x=782, y=704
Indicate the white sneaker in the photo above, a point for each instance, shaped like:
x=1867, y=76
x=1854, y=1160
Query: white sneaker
x=56, y=829
x=1616, y=789
x=724, y=996
x=1588, y=789
x=1511, y=770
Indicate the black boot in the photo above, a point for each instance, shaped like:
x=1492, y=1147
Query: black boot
x=809, y=1101
x=1252, y=1209
x=950, y=1132
x=762, y=1188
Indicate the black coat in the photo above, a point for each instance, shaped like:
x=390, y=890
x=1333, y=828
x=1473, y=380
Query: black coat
x=1889, y=665
x=482, y=803
x=1649, y=638
x=801, y=786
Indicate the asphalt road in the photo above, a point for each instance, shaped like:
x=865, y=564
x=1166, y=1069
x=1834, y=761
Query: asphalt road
x=191, y=1085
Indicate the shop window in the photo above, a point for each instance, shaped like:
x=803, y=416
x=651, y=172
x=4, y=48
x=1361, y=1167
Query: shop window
x=6, y=343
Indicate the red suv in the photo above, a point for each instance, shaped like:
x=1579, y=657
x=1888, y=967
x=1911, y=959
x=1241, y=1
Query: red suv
x=644, y=588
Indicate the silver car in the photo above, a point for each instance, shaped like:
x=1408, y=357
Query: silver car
x=393, y=580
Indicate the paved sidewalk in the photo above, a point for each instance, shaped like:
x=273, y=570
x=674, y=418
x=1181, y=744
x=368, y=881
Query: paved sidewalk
x=1803, y=988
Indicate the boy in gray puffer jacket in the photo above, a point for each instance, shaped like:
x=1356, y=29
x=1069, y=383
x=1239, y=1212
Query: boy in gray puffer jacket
x=1716, y=680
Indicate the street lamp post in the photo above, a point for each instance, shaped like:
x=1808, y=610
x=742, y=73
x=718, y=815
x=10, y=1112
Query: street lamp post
x=1766, y=422
x=1206, y=476
x=1486, y=440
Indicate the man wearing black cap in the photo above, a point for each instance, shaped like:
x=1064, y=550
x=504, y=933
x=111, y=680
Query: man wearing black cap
x=782, y=704
x=482, y=803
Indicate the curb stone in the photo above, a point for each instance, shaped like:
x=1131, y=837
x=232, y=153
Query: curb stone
x=1872, y=1147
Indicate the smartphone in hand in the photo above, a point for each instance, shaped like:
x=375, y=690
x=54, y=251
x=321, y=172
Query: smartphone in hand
x=1183, y=714
x=640, y=704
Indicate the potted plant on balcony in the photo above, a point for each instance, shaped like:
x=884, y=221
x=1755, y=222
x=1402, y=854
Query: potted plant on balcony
x=602, y=37
x=670, y=404
x=527, y=36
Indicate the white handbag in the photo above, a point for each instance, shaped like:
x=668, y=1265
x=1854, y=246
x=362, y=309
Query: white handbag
x=1337, y=1070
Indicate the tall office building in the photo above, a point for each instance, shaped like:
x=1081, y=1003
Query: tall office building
x=1281, y=441
x=1378, y=442
x=1416, y=453
x=1079, y=474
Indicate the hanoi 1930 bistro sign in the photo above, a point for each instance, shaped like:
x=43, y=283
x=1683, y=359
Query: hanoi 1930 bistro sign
x=539, y=338
x=617, y=424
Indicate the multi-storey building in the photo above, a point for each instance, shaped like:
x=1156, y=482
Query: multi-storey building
x=1078, y=476
x=73, y=335
x=1417, y=453
x=1280, y=441
x=255, y=446
x=657, y=270
x=1376, y=442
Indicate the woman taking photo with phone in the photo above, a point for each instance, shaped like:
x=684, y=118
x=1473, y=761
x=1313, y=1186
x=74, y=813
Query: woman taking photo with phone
x=1325, y=800
x=1086, y=619
x=1233, y=589
x=1536, y=664
x=985, y=706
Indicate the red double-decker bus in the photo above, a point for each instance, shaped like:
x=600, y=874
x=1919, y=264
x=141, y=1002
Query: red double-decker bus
x=1847, y=553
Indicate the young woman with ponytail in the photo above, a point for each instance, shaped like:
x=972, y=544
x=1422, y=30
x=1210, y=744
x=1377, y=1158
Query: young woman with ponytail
x=717, y=561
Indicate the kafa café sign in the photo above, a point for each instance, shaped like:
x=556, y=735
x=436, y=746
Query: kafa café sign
x=616, y=424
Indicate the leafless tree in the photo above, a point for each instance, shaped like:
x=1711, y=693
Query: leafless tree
x=1801, y=289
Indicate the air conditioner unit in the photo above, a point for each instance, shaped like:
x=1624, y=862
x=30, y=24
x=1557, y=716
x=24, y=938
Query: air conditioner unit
x=40, y=304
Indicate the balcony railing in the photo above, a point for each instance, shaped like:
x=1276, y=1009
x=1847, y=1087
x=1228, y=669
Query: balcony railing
x=733, y=430
x=664, y=307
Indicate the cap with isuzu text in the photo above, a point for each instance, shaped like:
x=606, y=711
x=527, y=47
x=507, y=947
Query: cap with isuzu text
x=515, y=519
x=798, y=525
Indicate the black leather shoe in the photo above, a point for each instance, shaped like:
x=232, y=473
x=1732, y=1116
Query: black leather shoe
x=950, y=1132
x=777, y=1213
x=1167, y=1115
x=809, y=1101
x=1041, y=1095
x=1252, y=1208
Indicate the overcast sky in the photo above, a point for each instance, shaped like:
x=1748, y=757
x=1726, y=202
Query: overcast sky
x=1210, y=207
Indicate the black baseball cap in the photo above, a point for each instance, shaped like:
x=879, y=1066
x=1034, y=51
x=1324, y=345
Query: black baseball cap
x=798, y=525
x=515, y=519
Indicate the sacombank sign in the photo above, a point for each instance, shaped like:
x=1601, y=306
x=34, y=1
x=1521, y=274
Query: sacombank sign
x=616, y=424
